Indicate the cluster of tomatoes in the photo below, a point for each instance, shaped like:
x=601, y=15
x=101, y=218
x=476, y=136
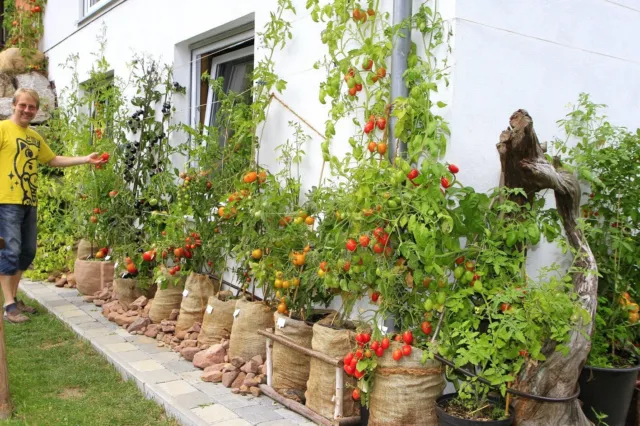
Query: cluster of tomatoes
x=368, y=348
x=251, y=177
x=380, y=123
x=96, y=211
x=631, y=306
x=102, y=253
x=379, y=247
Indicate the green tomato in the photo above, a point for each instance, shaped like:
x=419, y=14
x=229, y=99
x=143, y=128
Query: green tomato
x=428, y=305
x=153, y=202
x=468, y=275
x=458, y=272
x=257, y=214
x=442, y=297
x=477, y=285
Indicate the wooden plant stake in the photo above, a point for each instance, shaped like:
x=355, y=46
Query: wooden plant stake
x=5, y=399
x=525, y=166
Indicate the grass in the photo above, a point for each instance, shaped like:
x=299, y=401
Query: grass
x=57, y=379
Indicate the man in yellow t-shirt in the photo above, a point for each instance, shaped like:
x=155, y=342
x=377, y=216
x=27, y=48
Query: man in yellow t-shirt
x=21, y=149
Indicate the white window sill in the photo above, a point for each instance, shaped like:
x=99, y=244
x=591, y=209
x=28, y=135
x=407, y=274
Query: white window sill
x=97, y=12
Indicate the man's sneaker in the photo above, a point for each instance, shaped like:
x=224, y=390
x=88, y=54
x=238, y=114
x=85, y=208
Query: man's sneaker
x=24, y=308
x=16, y=317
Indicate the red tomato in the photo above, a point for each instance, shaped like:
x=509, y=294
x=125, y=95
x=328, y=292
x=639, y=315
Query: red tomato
x=358, y=374
x=381, y=122
x=367, y=65
x=324, y=266
x=453, y=168
x=469, y=265
x=379, y=352
x=356, y=394
x=372, y=146
x=353, y=363
x=347, y=266
x=131, y=268
x=105, y=156
x=375, y=345
x=364, y=240
x=505, y=307
x=179, y=252
x=524, y=353
x=358, y=355
x=374, y=298
x=413, y=174
x=426, y=327
x=352, y=92
x=406, y=350
x=368, y=127
x=460, y=260
x=407, y=337
x=385, y=343
x=445, y=182
x=381, y=72
x=349, y=370
x=147, y=256
x=358, y=87
x=397, y=354
x=351, y=244
x=378, y=248
x=366, y=337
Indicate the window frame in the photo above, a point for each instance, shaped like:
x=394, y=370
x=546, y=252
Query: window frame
x=196, y=69
x=87, y=9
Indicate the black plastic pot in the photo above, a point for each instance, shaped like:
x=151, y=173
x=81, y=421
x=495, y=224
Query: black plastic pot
x=446, y=419
x=634, y=409
x=364, y=416
x=608, y=391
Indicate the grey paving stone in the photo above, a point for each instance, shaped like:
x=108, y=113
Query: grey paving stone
x=133, y=356
x=158, y=376
x=166, y=357
x=192, y=377
x=153, y=348
x=194, y=399
x=92, y=326
x=81, y=320
x=291, y=415
x=212, y=389
x=214, y=413
x=258, y=413
x=181, y=366
x=233, y=401
x=283, y=422
x=107, y=340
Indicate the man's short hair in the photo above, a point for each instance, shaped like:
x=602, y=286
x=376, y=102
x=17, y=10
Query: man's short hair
x=30, y=92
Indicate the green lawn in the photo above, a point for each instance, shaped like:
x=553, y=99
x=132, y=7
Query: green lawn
x=57, y=379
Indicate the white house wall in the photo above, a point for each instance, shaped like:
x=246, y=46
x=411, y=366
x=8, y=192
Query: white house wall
x=532, y=54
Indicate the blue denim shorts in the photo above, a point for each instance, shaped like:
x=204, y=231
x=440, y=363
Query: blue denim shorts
x=19, y=229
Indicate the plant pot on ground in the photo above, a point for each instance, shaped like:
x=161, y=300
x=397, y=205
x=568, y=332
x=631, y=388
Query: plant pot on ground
x=451, y=414
x=607, y=391
x=92, y=276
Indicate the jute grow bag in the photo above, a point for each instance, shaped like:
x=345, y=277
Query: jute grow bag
x=126, y=290
x=290, y=367
x=322, y=376
x=405, y=392
x=167, y=298
x=245, y=341
x=217, y=324
x=92, y=276
x=199, y=288
x=84, y=249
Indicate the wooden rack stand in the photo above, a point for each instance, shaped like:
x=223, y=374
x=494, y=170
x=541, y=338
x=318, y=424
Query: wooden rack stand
x=296, y=406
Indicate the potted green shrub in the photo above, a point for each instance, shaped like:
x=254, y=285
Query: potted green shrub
x=606, y=157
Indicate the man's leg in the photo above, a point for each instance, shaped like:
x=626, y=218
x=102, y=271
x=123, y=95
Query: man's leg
x=11, y=217
x=29, y=232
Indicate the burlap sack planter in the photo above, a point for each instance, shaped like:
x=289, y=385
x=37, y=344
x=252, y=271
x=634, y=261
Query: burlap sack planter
x=197, y=291
x=84, y=249
x=217, y=321
x=168, y=297
x=92, y=276
x=245, y=341
x=321, y=385
x=405, y=392
x=126, y=290
x=290, y=367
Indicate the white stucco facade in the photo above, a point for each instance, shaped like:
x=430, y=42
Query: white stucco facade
x=532, y=54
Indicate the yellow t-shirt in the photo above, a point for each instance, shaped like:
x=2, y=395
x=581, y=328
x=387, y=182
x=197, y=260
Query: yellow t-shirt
x=20, y=151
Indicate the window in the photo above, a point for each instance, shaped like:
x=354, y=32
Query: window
x=91, y=6
x=230, y=58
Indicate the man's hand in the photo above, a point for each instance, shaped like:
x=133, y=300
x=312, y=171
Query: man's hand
x=95, y=159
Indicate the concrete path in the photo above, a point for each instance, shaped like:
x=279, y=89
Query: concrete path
x=160, y=373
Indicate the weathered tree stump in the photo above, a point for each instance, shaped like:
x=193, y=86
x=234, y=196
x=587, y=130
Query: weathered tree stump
x=525, y=166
